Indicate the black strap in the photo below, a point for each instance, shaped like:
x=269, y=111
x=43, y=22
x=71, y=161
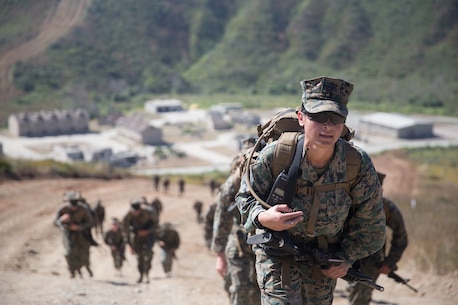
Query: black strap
x=293, y=171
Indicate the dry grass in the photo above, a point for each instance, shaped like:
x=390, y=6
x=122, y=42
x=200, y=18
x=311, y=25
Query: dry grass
x=432, y=222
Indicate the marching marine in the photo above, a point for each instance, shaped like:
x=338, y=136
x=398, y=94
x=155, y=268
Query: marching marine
x=115, y=239
x=75, y=222
x=139, y=225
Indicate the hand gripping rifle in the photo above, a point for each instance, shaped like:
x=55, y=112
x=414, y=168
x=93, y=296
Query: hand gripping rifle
x=278, y=243
x=399, y=279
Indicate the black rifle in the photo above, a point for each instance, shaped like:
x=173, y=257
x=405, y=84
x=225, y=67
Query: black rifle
x=399, y=279
x=278, y=244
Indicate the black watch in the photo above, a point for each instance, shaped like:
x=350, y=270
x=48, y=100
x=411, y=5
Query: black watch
x=257, y=224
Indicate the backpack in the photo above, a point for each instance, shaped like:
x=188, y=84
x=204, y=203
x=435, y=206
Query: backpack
x=284, y=127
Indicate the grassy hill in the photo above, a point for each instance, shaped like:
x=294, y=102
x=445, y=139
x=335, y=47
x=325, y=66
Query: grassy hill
x=398, y=54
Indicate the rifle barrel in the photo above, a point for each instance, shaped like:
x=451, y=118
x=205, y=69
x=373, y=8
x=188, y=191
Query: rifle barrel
x=401, y=280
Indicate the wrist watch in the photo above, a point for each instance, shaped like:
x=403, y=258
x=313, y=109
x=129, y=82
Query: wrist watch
x=257, y=224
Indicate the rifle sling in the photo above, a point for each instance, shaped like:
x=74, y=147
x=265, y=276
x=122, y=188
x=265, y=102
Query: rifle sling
x=293, y=173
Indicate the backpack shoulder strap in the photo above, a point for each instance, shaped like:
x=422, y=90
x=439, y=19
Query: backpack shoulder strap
x=353, y=163
x=286, y=147
x=284, y=152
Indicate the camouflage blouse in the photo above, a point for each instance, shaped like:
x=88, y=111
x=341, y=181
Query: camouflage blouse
x=362, y=234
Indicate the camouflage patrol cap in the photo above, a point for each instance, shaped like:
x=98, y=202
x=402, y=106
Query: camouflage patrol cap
x=135, y=203
x=72, y=196
x=326, y=94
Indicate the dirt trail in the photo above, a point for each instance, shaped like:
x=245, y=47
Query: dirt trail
x=33, y=269
x=60, y=19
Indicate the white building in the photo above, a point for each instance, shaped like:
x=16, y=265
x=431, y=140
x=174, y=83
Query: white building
x=165, y=105
x=226, y=108
x=395, y=125
x=48, y=123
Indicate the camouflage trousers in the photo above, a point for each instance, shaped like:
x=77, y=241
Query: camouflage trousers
x=243, y=289
x=76, y=251
x=307, y=285
x=118, y=257
x=359, y=294
x=144, y=255
x=167, y=259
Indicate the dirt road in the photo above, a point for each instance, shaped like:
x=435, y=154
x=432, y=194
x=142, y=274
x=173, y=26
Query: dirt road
x=60, y=19
x=33, y=269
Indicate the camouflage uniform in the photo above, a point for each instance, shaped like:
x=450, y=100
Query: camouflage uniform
x=198, y=209
x=181, y=186
x=156, y=204
x=99, y=212
x=166, y=184
x=208, y=224
x=76, y=242
x=365, y=230
x=135, y=222
x=360, y=294
x=229, y=236
x=115, y=239
x=156, y=182
x=169, y=241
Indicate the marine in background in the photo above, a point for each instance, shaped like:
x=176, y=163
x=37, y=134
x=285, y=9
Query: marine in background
x=114, y=238
x=165, y=185
x=181, y=186
x=99, y=219
x=75, y=221
x=208, y=224
x=156, y=182
x=169, y=241
x=157, y=205
x=235, y=259
x=381, y=262
x=139, y=227
x=198, y=206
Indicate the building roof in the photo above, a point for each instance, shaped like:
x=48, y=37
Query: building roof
x=136, y=122
x=165, y=102
x=392, y=120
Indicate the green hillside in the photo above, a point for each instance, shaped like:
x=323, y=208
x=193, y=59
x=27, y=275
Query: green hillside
x=398, y=54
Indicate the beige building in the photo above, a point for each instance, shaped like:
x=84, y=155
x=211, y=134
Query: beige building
x=395, y=125
x=48, y=123
x=137, y=127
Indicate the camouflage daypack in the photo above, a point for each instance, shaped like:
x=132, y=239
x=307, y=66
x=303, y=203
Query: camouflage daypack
x=284, y=127
x=283, y=121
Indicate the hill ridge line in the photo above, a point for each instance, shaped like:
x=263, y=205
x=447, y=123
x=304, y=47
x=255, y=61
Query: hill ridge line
x=60, y=19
